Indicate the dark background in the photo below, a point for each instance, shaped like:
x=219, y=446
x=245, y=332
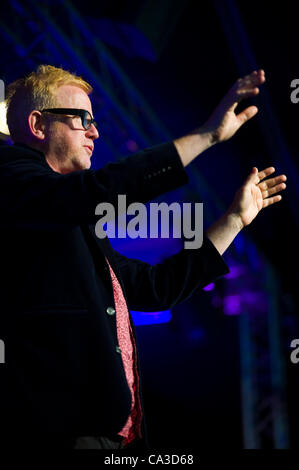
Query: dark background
x=186, y=61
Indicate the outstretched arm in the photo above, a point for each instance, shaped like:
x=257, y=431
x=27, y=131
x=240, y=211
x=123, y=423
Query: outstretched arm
x=224, y=122
x=249, y=200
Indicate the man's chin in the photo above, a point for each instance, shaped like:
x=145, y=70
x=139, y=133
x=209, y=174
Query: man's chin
x=83, y=164
x=86, y=165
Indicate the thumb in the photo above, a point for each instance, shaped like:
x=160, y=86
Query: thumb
x=247, y=114
x=253, y=176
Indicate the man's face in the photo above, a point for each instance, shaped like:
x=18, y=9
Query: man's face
x=69, y=145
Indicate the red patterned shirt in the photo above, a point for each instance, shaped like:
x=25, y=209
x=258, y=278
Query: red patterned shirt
x=132, y=428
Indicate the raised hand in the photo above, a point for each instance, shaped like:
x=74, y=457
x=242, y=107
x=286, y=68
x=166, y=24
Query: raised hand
x=224, y=122
x=256, y=194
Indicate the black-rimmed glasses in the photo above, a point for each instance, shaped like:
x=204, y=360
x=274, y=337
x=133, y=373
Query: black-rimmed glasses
x=86, y=118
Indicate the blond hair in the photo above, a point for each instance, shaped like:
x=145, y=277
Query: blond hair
x=36, y=91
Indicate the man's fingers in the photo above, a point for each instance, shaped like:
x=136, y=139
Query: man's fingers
x=272, y=181
x=273, y=190
x=243, y=93
x=246, y=92
x=247, y=114
x=264, y=185
x=248, y=86
x=245, y=87
x=266, y=172
x=271, y=200
x=255, y=78
x=271, y=186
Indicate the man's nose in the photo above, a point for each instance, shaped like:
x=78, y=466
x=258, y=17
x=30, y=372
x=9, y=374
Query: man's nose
x=92, y=132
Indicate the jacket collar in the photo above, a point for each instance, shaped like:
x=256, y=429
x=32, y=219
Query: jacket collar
x=19, y=144
x=33, y=153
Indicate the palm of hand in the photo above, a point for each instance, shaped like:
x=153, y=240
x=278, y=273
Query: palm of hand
x=256, y=194
x=227, y=127
x=250, y=202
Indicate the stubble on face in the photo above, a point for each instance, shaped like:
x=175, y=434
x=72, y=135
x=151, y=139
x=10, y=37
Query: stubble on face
x=67, y=141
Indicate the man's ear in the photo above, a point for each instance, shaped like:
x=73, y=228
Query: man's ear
x=36, y=124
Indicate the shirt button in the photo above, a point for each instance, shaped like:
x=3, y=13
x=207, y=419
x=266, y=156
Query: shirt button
x=110, y=310
x=118, y=350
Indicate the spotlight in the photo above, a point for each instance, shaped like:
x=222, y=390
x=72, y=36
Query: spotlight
x=4, y=132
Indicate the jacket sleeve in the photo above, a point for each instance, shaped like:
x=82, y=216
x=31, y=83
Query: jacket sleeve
x=32, y=193
x=162, y=286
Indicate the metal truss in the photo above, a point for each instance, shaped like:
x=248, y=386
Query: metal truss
x=263, y=375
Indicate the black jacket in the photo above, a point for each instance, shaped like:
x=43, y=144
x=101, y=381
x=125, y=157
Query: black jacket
x=63, y=372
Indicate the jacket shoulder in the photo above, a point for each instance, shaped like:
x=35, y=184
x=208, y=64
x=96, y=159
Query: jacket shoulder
x=15, y=153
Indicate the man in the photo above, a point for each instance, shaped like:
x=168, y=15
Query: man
x=70, y=377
